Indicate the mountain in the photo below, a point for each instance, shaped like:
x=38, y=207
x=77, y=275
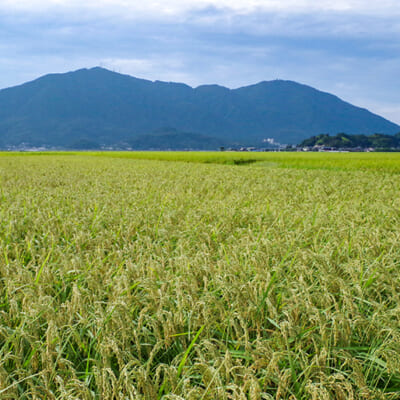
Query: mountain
x=343, y=140
x=101, y=107
x=171, y=139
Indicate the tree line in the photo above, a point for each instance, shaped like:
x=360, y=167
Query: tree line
x=344, y=140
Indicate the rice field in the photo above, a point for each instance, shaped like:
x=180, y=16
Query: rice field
x=228, y=276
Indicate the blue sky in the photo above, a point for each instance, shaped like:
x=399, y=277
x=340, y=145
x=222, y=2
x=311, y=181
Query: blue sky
x=349, y=47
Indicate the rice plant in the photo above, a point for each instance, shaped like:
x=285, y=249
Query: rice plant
x=126, y=278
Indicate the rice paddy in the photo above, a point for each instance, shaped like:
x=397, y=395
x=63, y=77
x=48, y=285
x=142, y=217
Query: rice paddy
x=139, y=276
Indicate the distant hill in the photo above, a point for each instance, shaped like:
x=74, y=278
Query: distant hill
x=171, y=139
x=91, y=107
x=343, y=140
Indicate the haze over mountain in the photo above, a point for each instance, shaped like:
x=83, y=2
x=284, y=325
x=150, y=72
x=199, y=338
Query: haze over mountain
x=95, y=106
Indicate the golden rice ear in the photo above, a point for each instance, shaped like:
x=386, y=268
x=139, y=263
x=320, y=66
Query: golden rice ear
x=144, y=279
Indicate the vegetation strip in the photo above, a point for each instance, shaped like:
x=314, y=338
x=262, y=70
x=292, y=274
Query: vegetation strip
x=123, y=278
x=379, y=162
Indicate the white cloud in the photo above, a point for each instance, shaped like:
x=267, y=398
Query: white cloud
x=174, y=7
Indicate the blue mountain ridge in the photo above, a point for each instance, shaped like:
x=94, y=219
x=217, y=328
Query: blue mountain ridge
x=104, y=107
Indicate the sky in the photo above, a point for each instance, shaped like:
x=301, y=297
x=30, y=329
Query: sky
x=350, y=48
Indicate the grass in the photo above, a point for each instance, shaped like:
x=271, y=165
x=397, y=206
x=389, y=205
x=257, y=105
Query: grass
x=127, y=278
x=383, y=162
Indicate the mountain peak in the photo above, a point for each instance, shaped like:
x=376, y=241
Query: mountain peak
x=106, y=107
